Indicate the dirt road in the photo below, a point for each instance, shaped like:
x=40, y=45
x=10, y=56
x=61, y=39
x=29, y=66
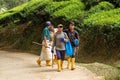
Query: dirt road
x=22, y=66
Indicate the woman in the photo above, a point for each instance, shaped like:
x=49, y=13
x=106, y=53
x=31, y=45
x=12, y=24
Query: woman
x=46, y=45
x=59, y=43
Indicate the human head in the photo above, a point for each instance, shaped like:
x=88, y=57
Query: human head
x=48, y=24
x=71, y=25
x=60, y=27
x=52, y=28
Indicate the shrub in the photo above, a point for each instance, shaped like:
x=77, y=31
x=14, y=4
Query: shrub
x=115, y=2
x=65, y=11
x=101, y=32
x=55, y=6
x=101, y=6
x=34, y=10
x=104, y=18
x=71, y=11
x=22, y=12
x=91, y=3
x=61, y=0
x=37, y=12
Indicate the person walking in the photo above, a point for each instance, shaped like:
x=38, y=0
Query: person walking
x=46, y=48
x=74, y=40
x=59, y=42
x=52, y=35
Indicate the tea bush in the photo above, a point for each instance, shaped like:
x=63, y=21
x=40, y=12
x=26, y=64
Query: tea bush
x=23, y=11
x=99, y=27
x=103, y=18
x=64, y=11
x=34, y=14
x=101, y=32
x=101, y=6
x=91, y=3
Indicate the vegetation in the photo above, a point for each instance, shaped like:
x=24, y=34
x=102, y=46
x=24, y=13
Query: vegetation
x=53, y=9
x=106, y=25
x=109, y=72
x=91, y=3
x=98, y=23
x=101, y=6
x=31, y=17
x=101, y=19
x=104, y=18
x=11, y=3
x=23, y=12
x=61, y=11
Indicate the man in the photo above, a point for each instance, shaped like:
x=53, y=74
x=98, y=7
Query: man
x=72, y=34
x=46, y=51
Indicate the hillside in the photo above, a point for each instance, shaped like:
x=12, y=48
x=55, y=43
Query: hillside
x=23, y=24
x=97, y=21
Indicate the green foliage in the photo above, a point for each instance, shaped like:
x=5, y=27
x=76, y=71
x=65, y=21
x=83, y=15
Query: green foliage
x=33, y=10
x=71, y=11
x=22, y=12
x=103, y=18
x=117, y=64
x=10, y=13
x=103, y=29
x=61, y=0
x=115, y=2
x=102, y=41
x=101, y=6
x=55, y=6
x=1, y=28
x=11, y=3
x=65, y=11
x=99, y=27
x=91, y=3
x=109, y=72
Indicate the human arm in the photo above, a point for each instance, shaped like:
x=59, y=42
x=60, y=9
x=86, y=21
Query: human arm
x=66, y=39
x=77, y=37
x=45, y=34
x=54, y=43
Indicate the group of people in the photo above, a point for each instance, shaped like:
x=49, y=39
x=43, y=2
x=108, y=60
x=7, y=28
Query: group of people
x=53, y=42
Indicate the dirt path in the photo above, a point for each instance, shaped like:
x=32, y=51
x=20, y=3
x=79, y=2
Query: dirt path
x=22, y=66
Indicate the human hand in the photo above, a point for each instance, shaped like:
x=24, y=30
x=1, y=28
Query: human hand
x=62, y=39
x=77, y=47
x=52, y=51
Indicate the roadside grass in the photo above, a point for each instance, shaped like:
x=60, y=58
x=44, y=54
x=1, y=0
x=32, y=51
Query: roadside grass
x=109, y=72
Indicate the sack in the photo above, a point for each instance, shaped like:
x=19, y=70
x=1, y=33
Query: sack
x=68, y=49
